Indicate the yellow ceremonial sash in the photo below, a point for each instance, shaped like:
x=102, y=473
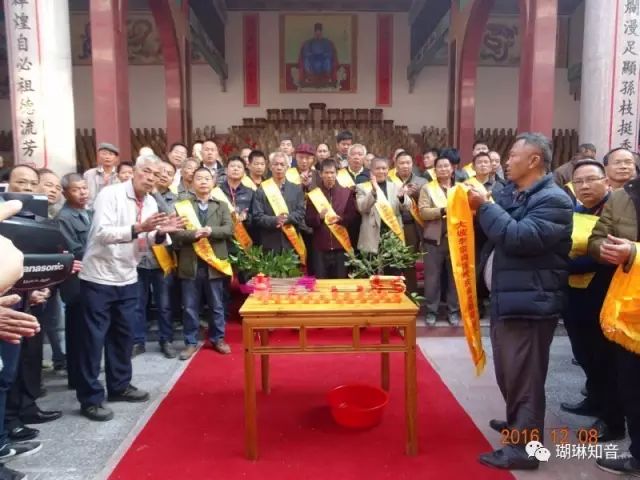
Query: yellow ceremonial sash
x=202, y=247
x=384, y=210
x=432, y=173
x=469, y=169
x=344, y=178
x=165, y=258
x=413, y=208
x=463, y=262
x=392, y=172
x=279, y=206
x=438, y=197
x=247, y=182
x=293, y=175
x=582, y=227
x=620, y=314
x=571, y=188
x=320, y=202
x=239, y=230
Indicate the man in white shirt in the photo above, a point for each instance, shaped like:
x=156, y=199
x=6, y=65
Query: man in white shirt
x=105, y=173
x=126, y=223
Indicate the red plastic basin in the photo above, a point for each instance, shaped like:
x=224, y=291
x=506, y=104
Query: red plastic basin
x=357, y=406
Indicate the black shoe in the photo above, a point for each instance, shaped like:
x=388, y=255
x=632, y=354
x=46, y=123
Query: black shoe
x=97, y=413
x=605, y=433
x=43, y=392
x=167, y=350
x=138, y=349
x=498, y=425
x=583, y=407
x=23, y=433
x=130, y=394
x=509, y=458
x=16, y=450
x=8, y=474
x=41, y=416
x=624, y=464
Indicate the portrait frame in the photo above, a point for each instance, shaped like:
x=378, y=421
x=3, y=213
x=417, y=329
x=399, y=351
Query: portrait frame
x=346, y=63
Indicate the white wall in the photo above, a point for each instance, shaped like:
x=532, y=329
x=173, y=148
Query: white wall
x=496, y=99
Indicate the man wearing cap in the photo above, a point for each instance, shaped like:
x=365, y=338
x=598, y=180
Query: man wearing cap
x=302, y=173
x=105, y=173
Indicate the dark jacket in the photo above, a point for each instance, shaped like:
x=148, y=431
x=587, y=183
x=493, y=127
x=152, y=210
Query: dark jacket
x=76, y=231
x=362, y=177
x=241, y=197
x=343, y=202
x=530, y=235
x=265, y=220
x=219, y=219
x=166, y=201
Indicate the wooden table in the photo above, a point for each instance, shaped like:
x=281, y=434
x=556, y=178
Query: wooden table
x=260, y=318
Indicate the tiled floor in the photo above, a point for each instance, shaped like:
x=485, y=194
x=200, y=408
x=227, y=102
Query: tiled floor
x=76, y=449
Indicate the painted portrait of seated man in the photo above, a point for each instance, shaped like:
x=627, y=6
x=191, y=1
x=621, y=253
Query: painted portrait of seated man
x=318, y=60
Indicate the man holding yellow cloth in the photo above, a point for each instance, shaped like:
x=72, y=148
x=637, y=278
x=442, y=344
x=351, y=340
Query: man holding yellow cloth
x=614, y=241
x=525, y=266
x=588, y=284
x=202, y=261
x=330, y=210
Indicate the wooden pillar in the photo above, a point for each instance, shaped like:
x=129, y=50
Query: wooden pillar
x=110, y=65
x=172, y=26
x=537, y=66
x=467, y=29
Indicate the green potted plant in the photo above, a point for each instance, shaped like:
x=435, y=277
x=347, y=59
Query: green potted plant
x=392, y=254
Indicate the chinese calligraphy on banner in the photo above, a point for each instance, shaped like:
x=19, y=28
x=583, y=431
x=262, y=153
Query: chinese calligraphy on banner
x=23, y=49
x=624, y=121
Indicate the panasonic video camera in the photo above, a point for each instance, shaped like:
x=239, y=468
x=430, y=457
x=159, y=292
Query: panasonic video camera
x=40, y=240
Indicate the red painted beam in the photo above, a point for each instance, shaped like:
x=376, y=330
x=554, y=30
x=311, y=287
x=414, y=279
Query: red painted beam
x=537, y=68
x=109, y=70
x=173, y=55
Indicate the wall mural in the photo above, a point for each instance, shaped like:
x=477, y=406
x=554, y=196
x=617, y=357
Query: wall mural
x=501, y=44
x=143, y=40
x=318, y=53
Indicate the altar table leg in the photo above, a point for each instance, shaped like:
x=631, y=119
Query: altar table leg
x=411, y=390
x=264, y=362
x=384, y=364
x=251, y=427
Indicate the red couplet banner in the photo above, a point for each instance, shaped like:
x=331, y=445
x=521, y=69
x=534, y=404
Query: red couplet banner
x=384, y=64
x=251, y=44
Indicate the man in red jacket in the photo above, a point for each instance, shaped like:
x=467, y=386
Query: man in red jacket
x=330, y=210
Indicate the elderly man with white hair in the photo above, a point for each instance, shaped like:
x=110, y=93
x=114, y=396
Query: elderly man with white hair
x=126, y=224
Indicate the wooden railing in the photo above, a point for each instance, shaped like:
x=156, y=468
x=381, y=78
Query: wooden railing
x=565, y=142
x=381, y=140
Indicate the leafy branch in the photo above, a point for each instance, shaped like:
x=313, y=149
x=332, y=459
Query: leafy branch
x=254, y=260
x=392, y=254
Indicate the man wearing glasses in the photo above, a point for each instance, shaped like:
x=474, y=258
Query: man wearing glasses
x=588, y=284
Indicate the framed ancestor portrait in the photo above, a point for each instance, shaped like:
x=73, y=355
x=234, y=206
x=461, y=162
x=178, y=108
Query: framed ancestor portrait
x=318, y=53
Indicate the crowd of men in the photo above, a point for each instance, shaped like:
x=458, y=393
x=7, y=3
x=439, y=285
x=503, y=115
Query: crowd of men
x=166, y=227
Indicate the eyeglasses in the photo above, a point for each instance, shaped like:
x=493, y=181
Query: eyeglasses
x=587, y=181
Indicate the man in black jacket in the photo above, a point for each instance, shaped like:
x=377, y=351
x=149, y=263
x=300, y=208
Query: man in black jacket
x=270, y=225
x=525, y=265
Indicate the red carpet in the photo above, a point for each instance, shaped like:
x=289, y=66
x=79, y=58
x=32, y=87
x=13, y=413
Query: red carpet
x=198, y=430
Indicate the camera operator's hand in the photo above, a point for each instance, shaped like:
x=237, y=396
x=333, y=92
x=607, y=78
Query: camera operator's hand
x=38, y=297
x=14, y=324
x=12, y=258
